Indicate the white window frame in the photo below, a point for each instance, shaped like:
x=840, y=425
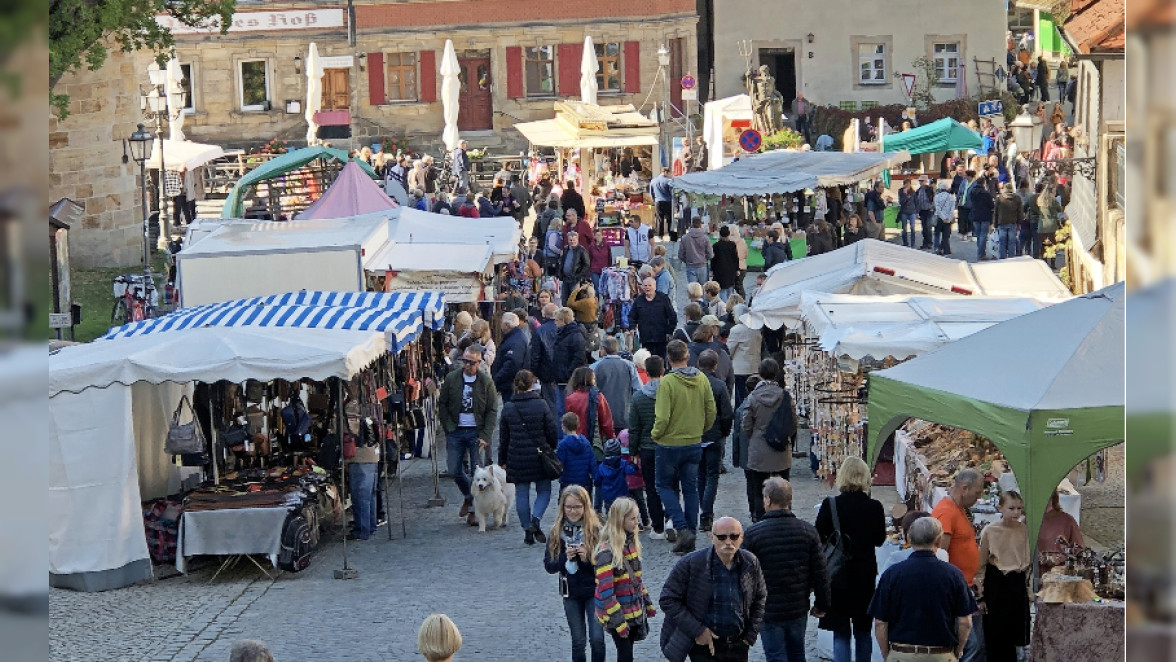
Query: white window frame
x=947, y=73
x=863, y=59
x=190, y=109
x=241, y=85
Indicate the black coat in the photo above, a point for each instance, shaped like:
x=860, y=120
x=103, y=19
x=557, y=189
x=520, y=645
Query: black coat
x=774, y=253
x=570, y=342
x=724, y=414
x=527, y=425
x=542, y=353
x=512, y=356
x=581, y=264
x=655, y=319
x=572, y=200
x=863, y=522
x=819, y=242
x=725, y=263
x=789, y=550
x=686, y=597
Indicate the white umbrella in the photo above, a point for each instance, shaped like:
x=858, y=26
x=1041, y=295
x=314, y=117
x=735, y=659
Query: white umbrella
x=588, y=68
x=175, y=90
x=314, y=91
x=450, y=90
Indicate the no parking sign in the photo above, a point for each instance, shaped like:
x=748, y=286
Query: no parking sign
x=750, y=140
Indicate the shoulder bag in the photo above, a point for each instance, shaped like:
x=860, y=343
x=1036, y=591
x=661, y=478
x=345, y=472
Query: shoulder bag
x=836, y=548
x=186, y=438
x=548, y=460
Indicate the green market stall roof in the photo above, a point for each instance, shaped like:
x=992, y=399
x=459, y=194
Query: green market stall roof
x=1047, y=388
x=292, y=160
x=939, y=136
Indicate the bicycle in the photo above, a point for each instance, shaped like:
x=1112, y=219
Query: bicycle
x=134, y=299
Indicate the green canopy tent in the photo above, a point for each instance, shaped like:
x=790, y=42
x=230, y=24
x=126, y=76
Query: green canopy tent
x=276, y=167
x=939, y=136
x=1047, y=388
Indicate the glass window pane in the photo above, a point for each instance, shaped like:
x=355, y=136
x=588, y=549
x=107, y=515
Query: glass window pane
x=253, y=92
x=614, y=49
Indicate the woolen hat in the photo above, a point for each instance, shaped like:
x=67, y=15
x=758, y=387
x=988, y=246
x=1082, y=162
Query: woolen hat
x=612, y=448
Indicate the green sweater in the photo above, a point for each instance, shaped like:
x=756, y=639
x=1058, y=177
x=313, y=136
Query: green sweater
x=685, y=408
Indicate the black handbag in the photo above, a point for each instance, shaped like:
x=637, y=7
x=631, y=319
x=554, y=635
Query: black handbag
x=836, y=548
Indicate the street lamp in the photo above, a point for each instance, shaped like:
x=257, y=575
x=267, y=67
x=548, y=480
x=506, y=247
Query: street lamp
x=1026, y=131
x=141, y=142
x=157, y=101
x=663, y=63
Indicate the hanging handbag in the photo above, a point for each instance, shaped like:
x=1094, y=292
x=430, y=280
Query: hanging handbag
x=185, y=438
x=836, y=548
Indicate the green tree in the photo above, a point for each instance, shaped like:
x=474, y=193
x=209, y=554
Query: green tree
x=80, y=31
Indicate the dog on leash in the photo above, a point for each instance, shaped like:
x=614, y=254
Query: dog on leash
x=492, y=496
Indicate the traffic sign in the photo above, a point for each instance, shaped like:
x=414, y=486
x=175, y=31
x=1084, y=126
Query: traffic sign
x=993, y=107
x=689, y=95
x=908, y=81
x=688, y=82
x=750, y=140
x=60, y=320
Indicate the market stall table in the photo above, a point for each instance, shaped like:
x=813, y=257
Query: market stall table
x=1078, y=632
x=232, y=532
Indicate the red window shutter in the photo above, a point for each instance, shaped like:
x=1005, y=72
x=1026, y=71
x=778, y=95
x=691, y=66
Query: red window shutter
x=514, y=71
x=428, y=79
x=632, y=66
x=568, y=63
x=375, y=67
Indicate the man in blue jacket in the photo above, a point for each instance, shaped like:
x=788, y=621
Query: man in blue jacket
x=662, y=190
x=512, y=356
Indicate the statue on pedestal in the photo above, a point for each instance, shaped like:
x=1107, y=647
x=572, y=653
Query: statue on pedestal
x=767, y=105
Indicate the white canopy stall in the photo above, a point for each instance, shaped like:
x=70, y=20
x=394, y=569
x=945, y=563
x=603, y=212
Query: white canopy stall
x=722, y=122
x=785, y=171
x=184, y=153
x=871, y=267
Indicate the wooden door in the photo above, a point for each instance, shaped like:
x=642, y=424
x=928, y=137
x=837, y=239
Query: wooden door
x=336, y=89
x=475, y=103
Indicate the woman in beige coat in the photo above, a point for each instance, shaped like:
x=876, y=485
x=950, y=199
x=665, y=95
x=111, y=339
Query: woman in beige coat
x=763, y=461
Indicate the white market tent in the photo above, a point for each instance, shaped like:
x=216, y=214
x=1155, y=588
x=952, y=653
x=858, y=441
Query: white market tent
x=872, y=267
x=785, y=171
x=183, y=152
x=722, y=121
x=590, y=126
x=901, y=326
x=109, y=406
x=413, y=226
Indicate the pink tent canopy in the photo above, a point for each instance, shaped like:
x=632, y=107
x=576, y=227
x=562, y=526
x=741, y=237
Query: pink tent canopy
x=353, y=193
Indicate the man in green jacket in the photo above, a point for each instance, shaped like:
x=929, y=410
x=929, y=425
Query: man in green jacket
x=468, y=409
x=685, y=408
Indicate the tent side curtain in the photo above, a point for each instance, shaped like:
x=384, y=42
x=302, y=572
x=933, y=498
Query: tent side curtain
x=235, y=203
x=784, y=171
x=939, y=136
x=1040, y=456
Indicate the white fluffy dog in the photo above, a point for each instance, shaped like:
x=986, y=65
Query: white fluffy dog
x=492, y=496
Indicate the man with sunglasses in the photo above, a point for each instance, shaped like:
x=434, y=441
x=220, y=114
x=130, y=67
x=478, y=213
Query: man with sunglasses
x=468, y=409
x=714, y=600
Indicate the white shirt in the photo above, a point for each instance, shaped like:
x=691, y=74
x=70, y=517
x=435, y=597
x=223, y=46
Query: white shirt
x=639, y=247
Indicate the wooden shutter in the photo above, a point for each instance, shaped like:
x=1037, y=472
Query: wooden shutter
x=514, y=71
x=375, y=67
x=632, y=66
x=567, y=62
x=428, y=76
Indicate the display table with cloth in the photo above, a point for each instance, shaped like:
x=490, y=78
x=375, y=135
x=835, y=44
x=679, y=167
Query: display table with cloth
x=755, y=256
x=236, y=531
x=1078, y=632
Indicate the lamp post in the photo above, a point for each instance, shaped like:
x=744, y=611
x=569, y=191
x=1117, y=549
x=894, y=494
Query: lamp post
x=141, y=142
x=1026, y=131
x=157, y=103
x=663, y=63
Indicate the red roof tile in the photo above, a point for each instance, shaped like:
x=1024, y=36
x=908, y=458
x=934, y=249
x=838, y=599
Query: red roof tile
x=1097, y=26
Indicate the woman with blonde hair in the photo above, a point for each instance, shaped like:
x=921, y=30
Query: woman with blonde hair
x=623, y=605
x=861, y=523
x=438, y=639
x=569, y=553
x=480, y=332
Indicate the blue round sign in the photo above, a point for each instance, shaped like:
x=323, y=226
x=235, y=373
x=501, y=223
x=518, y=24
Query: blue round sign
x=750, y=140
x=688, y=82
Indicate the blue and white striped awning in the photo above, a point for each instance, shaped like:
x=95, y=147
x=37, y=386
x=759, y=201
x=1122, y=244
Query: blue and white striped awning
x=400, y=315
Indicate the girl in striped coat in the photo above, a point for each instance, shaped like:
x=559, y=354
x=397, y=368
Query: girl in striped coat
x=622, y=603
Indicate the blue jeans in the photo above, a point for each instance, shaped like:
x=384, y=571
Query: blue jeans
x=578, y=611
x=457, y=444
x=696, y=274
x=784, y=640
x=980, y=231
x=1007, y=236
x=708, y=477
x=862, y=645
x=561, y=395
x=523, y=501
x=362, y=483
x=908, y=225
x=974, y=648
x=679, y=465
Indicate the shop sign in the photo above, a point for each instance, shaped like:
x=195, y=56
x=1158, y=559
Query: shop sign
x=262, y=21
x=337, y=62
x=457, y=287
x=993, y=107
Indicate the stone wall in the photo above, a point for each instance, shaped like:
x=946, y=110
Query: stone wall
x=85, y=161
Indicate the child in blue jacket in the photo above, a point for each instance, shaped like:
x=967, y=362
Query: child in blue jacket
x=612, y=475
x=576, y=454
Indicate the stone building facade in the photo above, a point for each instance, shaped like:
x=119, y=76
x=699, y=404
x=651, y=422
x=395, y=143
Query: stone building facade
x=382, y=68
x=86, y=160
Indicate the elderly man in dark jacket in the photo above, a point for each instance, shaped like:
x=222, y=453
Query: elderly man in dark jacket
x=713, y=600
x=574, y=265
x=789, y=550
x=569, y=352
x=654, y=316
x=512, y=356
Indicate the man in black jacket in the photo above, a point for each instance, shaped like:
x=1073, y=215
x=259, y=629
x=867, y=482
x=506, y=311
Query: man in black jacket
x=512, y=356
x=542, y=355
x=789, y=550
x=654, y=316
x=574, y=265
x=569, y=352
x=725, y=263
x=572, y=200
x=712, y=441
x=775, y=251
x=713, y=600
